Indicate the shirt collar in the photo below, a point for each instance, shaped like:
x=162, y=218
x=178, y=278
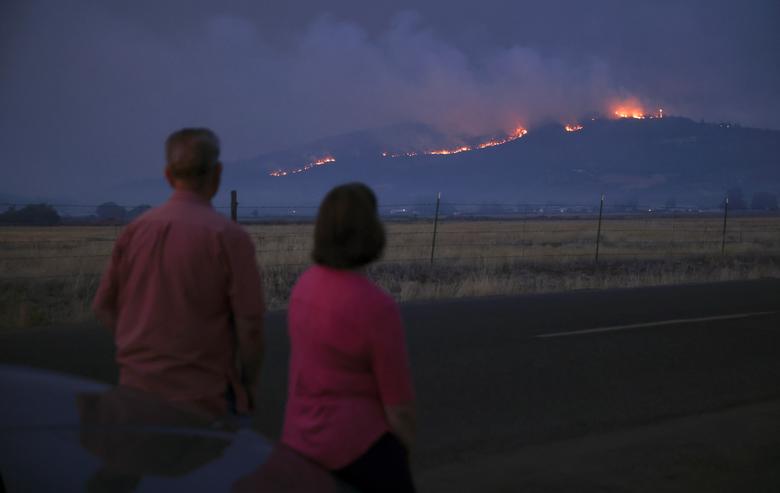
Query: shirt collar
x=189, y=196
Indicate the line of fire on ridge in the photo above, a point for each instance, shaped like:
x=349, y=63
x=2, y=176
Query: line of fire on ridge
x=306, y=167
x=620, y=112
x=516, y=134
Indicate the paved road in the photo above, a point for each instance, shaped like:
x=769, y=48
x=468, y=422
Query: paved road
x=498, y=377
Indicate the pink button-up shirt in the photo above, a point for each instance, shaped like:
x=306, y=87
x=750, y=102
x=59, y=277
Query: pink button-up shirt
x=348, y=361
x=178, y=277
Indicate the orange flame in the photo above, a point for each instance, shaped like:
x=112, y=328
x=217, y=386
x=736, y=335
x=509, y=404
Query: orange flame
x=491, y=143
x=629, y=113
x=306, y=167
x=629, y=108
x=637, y=112
x=573, y=128
x=519, y=132
x=516, y=134
x=399, y=154
x=445, y=152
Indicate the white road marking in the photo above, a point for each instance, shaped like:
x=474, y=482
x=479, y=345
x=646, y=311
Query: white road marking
x=654, y=324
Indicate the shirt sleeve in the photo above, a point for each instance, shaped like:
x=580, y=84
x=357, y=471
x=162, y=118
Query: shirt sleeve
x=245, y=287
x=390, y=359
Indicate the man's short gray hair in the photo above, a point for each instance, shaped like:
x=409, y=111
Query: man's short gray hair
x=192, y=153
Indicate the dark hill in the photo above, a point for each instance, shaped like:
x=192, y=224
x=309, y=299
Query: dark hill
x=650, y=161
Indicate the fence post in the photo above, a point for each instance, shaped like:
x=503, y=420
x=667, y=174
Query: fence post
x=725, y=216
x=234, y=205
x=598, y=230
x=435, y=224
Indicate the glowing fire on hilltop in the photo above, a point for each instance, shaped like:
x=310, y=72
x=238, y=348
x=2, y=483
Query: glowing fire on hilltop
x=633, y=109
x=573, y=128
x=516, y=134
x=628, y=113
x=638, y=114
x=306, y=167
x=628, y=108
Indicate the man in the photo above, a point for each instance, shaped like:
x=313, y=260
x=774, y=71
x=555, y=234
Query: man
x=183, y=294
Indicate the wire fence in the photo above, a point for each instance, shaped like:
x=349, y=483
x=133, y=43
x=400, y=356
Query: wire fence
x=419, y=233
x=49, y=273
x=113, y=213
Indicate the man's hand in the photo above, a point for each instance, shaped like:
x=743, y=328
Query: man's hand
x=250, y=353
x=251, y=390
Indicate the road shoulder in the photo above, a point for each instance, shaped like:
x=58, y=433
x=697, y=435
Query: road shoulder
x=736, y=449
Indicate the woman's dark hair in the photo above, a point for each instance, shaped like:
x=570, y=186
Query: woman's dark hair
x=348, y=232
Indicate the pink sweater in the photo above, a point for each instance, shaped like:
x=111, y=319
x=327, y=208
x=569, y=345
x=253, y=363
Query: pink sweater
x=348, y=361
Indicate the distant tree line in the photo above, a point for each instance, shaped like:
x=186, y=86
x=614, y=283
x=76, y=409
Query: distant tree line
x=47, y=215
x=31, y=214
x=111, y=212
x=764, y=201
x=761, y=201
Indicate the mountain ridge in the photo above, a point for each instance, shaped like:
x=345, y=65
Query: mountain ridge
x=651, y=160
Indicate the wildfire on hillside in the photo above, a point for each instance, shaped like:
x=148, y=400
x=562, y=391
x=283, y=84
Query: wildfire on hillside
x=516, y=134
x=306, y=167
x=446, y=152
x=629, y=113
x=399, y=154
x=627, y=109
x=633, y=109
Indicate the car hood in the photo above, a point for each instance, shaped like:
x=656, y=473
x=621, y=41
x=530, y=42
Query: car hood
x=64, y=433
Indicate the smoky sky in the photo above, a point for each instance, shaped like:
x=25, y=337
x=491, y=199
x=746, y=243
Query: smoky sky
x=89, y=90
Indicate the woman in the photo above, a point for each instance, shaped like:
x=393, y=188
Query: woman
x=350, y=399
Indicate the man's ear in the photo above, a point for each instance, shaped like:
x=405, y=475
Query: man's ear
x=215, y=180
x=169, y=177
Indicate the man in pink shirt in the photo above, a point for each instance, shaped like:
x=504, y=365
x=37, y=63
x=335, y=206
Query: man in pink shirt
x=183, y=293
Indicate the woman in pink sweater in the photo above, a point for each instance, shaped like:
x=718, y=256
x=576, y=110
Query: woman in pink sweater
x=350, y=397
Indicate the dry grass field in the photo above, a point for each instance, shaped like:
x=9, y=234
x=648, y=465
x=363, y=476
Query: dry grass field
x=49, y=274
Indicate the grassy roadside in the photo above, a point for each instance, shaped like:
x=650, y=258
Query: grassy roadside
x=54, y=301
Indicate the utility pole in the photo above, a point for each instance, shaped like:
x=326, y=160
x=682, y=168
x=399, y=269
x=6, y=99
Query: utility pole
x=725, y=217
x=234, y=205
x=435, y=224
x=598, y=230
